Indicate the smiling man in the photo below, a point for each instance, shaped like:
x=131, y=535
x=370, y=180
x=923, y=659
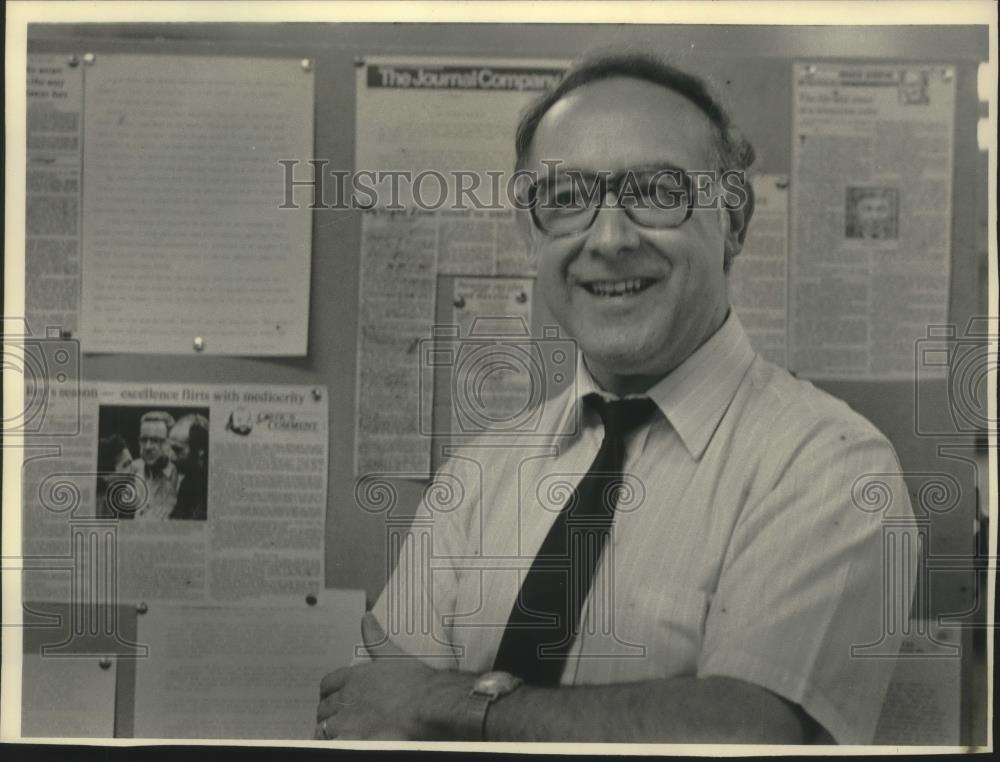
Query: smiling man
x=685, y=558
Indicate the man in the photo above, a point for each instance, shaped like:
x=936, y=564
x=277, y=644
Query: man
x=155, y=466
x=116, y=492
x=872, y=215
x=188, y=440
x=739, y=571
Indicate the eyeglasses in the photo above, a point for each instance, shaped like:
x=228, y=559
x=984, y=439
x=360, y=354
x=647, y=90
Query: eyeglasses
x=652, y=198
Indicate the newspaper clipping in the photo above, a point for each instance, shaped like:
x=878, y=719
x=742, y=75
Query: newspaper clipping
x=52, y=219
x=439, y=133
x=192, y=493
x=758, y=281
x=494, y=386
x=871, y=216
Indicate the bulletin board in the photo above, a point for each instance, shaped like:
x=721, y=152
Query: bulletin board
x=751, y=67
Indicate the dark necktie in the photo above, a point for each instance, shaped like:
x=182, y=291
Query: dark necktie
x=545, y=617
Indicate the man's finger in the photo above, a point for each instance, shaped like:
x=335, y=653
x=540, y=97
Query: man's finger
x=330, y=706
x=333, y=681
x=375, y=639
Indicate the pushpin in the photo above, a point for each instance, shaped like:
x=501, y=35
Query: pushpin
x=105, y=662
x=306, y=64
x=89, y=58
x=311, y=599
x=141, y=607
x=521, y=298
x=199, y=343
x=73, y=61
x=459, y=302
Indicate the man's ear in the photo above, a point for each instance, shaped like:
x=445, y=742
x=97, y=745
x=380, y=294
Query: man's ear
x=739, y=218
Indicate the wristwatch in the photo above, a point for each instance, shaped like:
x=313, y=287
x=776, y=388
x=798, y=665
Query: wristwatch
x=487, y=689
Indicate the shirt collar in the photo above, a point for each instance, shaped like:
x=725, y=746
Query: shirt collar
x=694, y=396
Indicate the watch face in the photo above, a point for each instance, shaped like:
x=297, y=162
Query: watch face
x=496, y=684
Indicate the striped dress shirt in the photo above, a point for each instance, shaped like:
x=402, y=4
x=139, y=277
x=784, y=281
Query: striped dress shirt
x=749, y=541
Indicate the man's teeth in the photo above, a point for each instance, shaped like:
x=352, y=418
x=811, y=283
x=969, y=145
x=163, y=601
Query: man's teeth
x=617, y=287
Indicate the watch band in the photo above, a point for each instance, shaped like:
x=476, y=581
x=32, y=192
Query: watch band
x=473, y=724
x=485, y=690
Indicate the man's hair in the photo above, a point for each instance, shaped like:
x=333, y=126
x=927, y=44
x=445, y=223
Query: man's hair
x=732, y=150
x=157, y=416
x=197, y=426
x=108, y=450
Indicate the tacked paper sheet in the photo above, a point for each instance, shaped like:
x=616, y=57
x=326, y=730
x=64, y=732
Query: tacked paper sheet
x=437, y=125
x=52, y=223
x=67, y=697
x=491, y=385
x=872, y=148
x=184, y=236
x=177, y=492
x=758, y=279
x=242, y=672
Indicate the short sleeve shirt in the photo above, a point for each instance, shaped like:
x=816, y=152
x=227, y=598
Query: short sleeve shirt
x=745, y=544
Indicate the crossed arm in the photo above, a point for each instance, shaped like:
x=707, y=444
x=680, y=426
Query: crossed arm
x=396, y=696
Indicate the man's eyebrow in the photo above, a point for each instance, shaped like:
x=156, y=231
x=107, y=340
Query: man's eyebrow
x=656, y=166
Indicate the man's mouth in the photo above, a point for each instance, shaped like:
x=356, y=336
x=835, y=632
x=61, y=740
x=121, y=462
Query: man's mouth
x=617, y=288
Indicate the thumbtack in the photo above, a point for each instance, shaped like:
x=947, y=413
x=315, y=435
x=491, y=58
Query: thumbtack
x=89, y=58
x=141, y=607
x=306, y=64
x=521, y=298
x=73, y=61
x=199, y=343
x=459, y=302
x=311, y=599
x=105, y=662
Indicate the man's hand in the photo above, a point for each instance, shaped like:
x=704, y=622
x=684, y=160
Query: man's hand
x=395, y=696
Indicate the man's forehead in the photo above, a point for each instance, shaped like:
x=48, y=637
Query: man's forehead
x=620, y=122
x=149, y=425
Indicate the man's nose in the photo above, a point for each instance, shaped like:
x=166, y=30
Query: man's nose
x=612, y=233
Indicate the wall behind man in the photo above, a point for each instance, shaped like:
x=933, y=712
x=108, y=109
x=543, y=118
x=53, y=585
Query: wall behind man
x=749, y=66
